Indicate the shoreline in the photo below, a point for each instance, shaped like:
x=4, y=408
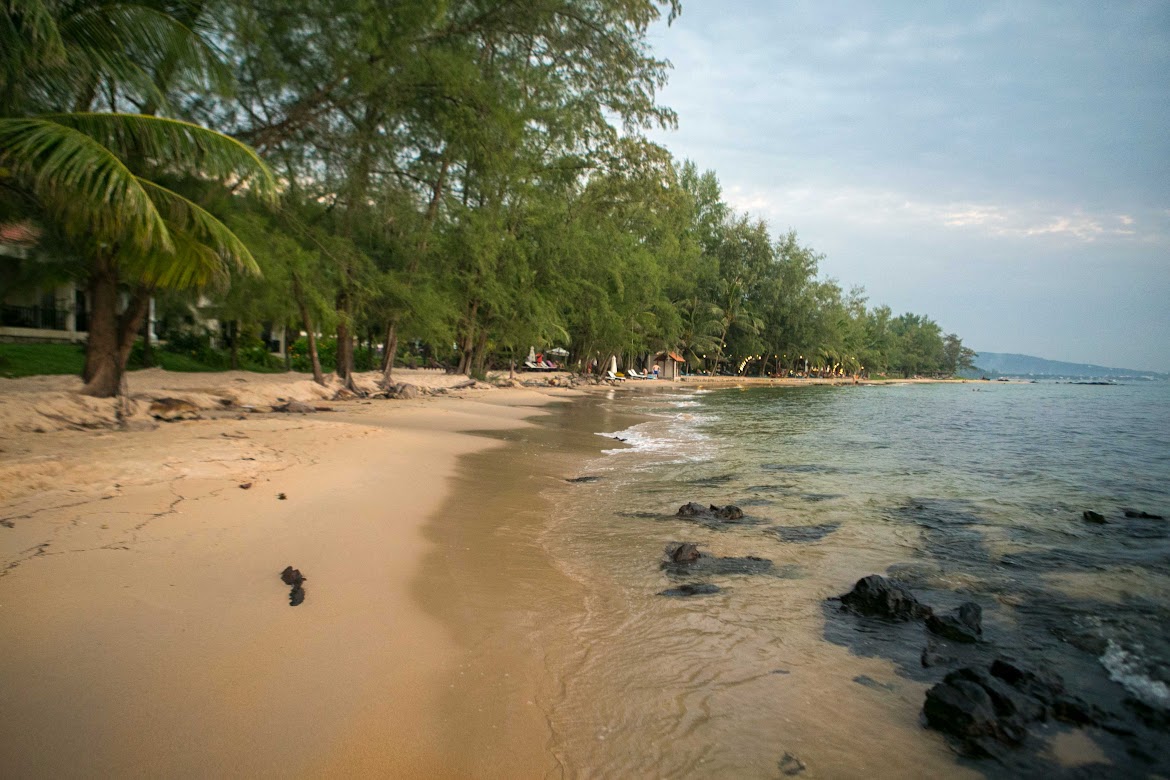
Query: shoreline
x=145, y=625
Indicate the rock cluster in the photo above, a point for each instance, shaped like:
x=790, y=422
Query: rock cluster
x=875, y=596
x=989, y=709
x=712, y=512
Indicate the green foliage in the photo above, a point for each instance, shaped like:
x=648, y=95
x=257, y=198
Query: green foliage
x=471, y=178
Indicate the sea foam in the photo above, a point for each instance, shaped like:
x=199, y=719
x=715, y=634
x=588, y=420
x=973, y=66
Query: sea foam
x=1126, y=668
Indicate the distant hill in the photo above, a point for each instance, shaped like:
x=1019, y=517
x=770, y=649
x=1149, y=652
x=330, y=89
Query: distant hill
x=1008, y=364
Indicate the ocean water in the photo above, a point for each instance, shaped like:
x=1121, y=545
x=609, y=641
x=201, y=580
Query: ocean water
x=960, y=491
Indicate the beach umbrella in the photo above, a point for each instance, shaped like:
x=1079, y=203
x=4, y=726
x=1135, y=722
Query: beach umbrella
x=558, y=352
x=531, y=355
x=613, y=364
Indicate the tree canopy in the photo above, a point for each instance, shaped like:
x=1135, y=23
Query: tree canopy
x=457, y=180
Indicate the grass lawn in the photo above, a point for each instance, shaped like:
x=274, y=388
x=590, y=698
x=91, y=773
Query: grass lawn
x=17, y=360
x=31, y=359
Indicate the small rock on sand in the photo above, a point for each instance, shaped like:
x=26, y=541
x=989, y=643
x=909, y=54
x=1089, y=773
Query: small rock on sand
x=790, y=765
x=172, y=409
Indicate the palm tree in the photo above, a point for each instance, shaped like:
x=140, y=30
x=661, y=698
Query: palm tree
x=108, y=179
x=733, y=313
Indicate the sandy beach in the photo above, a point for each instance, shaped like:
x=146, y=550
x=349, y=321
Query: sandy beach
x=145, y=625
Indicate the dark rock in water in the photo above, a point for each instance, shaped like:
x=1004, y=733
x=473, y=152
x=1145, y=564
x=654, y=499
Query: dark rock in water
x=1138, y=515
x=1093, y=517
x=683, y=558
x=799, y=534
x=966, y=625
x=293, y=577
x=988, y=709
x=869, y=682
x=729, y=512
x=691, y=589
x=875, y=596
x=712, y=512
x=682, y=552
x=964, y=710
x=582, y=479
x=791, y=766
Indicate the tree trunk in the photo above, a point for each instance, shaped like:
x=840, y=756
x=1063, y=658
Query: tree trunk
x=345, y=353
x=101, y=374
x=314, y=359
x=764, y=367
x=130, y=322
x=479, y=364
x=465, y=352
x=390, y=351
x=111, y=336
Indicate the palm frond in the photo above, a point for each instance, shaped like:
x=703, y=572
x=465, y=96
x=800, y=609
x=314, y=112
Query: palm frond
x=176, y=145
x=29, y=38
x=82, y=181
x=34, y=22
x=192, y=264
x=189, y=218
x=121, y=35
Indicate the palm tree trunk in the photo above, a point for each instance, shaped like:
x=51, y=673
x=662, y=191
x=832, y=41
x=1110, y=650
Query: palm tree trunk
x=101, y=350
x=130, y=322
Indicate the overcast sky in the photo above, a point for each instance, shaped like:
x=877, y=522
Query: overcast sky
x=1001, y=167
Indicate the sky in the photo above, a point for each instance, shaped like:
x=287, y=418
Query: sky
x=1001, y=167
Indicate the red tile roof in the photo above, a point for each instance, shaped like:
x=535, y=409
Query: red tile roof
x=24, y=233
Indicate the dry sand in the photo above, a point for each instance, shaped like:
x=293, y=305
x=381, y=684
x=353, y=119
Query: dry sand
x=144, y=625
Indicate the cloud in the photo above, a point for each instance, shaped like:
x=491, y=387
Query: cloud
x=1000, y=165
x=897, y=211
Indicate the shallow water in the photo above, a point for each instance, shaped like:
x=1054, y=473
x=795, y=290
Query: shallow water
x=963, y=492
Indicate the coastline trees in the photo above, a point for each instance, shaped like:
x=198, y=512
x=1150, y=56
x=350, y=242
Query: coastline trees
x=466, y=178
